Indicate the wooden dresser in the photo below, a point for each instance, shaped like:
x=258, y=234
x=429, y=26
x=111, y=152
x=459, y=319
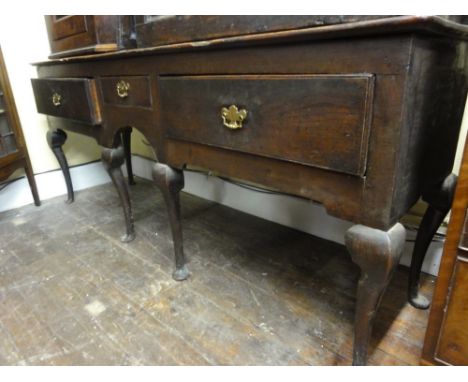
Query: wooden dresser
x=361, y=115
x=446, y=340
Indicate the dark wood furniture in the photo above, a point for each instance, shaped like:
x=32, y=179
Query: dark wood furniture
x=446, y=340
x=71, y=35
x=13, y=151
x=75, y=99
x=56, y=138
x=362, y=117
x=82, y=34
x=155, y=30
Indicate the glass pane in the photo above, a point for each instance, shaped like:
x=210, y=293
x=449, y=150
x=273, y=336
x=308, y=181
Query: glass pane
x=9, y=145
x=4, y=127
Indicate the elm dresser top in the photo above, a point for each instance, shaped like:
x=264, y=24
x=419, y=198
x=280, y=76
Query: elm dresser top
x=382, y=25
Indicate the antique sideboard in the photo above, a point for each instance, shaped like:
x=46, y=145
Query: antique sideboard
x=361, y=114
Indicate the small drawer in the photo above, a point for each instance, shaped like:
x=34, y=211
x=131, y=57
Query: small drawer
x=126, y=91
x=316, y=120
x=71, y=98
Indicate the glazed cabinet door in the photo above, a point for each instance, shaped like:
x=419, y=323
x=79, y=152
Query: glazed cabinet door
x=82, y=34
x=7, y=135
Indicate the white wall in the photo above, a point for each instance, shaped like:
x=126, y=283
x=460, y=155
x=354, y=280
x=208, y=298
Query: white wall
x=21, y=47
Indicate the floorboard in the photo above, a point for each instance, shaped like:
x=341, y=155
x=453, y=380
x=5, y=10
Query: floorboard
x=259, y=293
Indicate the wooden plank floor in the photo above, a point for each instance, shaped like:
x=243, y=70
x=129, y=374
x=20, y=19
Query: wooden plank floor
x=259, y=294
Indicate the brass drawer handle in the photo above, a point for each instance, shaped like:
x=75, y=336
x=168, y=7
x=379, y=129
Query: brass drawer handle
x=56, y=99
x=122, y=89
x=233, y=117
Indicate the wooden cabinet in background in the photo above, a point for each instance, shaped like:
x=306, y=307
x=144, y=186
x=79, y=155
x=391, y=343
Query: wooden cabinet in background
x=13, y=152
x=155, y=30
x=446, y=340
x=82, y=34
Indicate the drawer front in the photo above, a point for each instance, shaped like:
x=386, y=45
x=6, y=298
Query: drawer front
x=126, y=91
x=316, y=120
x=71, y=98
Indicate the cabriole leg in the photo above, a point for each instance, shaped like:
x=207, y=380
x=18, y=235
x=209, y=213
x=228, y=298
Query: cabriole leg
x=126, y=140
x=440, y=202
x=112, y=160
x=377, y=253
x=56, y=139
x=170, y=181
x=32, y=183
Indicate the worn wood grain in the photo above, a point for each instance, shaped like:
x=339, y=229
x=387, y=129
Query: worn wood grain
x=77, y=99
x=75, y=295
x=447, y=337
x=292, y=118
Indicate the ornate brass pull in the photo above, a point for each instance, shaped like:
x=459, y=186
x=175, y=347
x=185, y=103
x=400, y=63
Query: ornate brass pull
x=56, y=99
x=122, y=89
x=233, y=117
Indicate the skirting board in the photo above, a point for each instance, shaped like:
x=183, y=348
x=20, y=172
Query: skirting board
x=296, y=213
x=51, y=184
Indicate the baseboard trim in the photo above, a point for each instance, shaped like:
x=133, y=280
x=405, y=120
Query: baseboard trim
x=289, y=211
x=51, y=184
x=301, y=214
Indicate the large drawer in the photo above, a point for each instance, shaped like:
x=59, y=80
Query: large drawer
x=316, y=120
x=71, y=98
